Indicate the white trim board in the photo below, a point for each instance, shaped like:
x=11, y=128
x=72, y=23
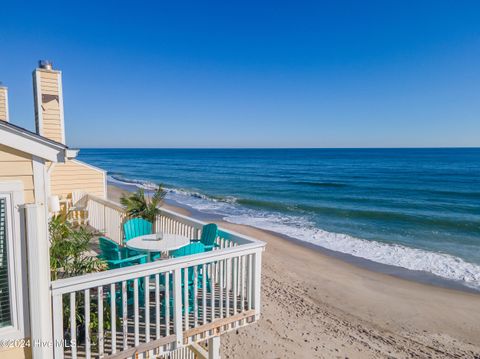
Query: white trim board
x=27, y=142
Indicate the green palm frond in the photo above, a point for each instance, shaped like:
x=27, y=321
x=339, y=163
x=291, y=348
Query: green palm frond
x=140, y=205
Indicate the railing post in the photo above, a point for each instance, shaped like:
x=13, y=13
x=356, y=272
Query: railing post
x=177, y=307
x=57, y=304
x=39, y=281
x=214, y=348
x=257, y=279
x=105, y=220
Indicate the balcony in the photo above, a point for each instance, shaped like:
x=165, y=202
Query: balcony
x=166, y=308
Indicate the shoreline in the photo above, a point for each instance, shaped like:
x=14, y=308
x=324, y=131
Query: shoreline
x=318, y=305
x=418, y=276
x=399, y=272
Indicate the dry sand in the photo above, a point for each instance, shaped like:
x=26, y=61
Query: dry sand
x=317, y=306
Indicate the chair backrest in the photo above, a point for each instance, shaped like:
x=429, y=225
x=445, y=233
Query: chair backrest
x=189, y=249
x=109, y=249
x=136, y=227
x=77, y=195
x=209, y=234
x=107, y=244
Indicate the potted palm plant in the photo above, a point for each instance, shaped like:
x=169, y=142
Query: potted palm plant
x=140, y=205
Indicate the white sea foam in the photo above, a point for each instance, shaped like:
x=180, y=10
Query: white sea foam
x=440, y=264
x=133, y=183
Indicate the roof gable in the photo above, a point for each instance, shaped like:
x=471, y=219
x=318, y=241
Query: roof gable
x=29, y=142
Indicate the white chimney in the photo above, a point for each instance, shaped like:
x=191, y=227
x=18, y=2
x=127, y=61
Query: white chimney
x=48, y=97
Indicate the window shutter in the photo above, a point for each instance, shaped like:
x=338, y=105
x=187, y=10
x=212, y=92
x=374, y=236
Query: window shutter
x=5, y=313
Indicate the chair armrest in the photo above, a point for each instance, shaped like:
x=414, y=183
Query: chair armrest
x=126, y=260
x=138, y=256
x=211, y=246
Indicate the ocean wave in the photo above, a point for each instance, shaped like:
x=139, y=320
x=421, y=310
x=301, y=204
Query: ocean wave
x=172, y=192
x=233, y=210
x=119, y=179
x=440, y=264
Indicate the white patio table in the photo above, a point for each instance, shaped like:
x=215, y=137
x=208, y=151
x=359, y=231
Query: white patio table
x=157, y=242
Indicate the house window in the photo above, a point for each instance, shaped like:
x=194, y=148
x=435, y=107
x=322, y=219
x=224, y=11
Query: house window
x=5, y=293
x=13, y=305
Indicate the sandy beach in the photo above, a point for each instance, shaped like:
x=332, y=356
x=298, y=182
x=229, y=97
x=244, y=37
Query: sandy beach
x=318, y=306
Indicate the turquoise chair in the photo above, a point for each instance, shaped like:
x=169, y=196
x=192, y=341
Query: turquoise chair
x=209, y=235
x=126, y=262
x=136, y=227
x=190, y=249
x=118, y=257
x=111, y=250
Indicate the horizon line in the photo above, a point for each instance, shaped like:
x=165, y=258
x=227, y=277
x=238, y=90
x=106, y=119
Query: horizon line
x=276, y=148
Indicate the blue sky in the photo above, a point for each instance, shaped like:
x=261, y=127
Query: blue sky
x=251, y=74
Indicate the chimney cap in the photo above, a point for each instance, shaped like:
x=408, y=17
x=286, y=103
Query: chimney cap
x=45, y=64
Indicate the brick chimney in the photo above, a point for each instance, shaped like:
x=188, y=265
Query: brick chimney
x=3, y=103
x=48, y=97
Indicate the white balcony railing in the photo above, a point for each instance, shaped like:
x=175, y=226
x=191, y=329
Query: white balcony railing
x=157, y=307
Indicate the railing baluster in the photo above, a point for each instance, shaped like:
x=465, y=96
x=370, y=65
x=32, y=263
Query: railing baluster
x=157, y=306
x=195, y=296
x=222, y=265
x=125, y=315
x=73, y=325
x=177, y=297
x=147, y=308
x=228, y=285
x=167, y=303
x=213, y=266
x=135, y=312
x=242, y=285
x=185, y=295
x=204, y=293
x=234, y=284
x=249, y=282
x=100, y=322
x=113, y=317
x=87, y=323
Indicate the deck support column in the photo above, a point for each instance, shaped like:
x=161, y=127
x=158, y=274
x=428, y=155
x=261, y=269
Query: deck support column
x=214, y=348
x=257, y=282
x=39, y=282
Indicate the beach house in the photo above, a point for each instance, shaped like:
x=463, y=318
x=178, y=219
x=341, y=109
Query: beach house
x=174, y=307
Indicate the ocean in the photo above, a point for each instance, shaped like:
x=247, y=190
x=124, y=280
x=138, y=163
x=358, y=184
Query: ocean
x=417, y=209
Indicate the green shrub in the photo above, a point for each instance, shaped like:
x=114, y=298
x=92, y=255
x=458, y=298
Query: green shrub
x=69, y=248
x=69, y=257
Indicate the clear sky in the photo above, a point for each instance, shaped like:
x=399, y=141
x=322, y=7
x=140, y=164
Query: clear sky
x=251, y=73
